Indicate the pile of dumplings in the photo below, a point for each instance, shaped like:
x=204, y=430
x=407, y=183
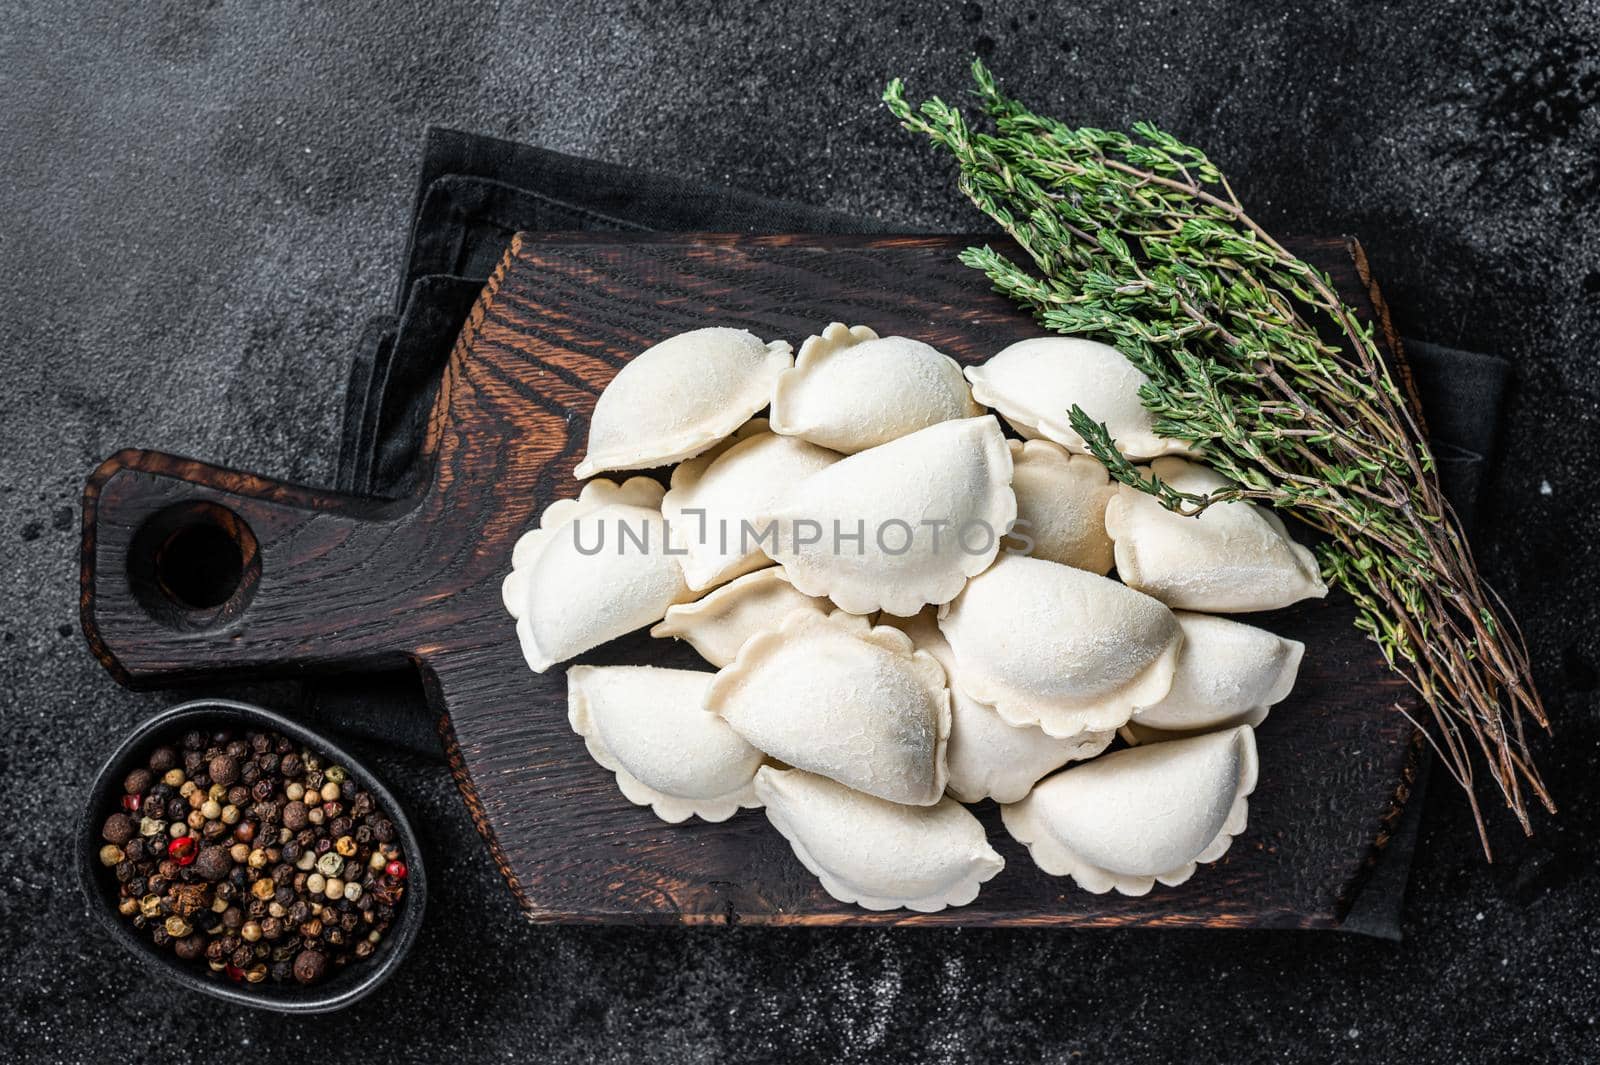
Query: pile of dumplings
x=903, y=610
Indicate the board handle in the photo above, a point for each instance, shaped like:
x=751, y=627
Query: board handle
x=190, y=569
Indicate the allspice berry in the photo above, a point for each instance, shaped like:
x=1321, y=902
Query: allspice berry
x=213, y=863
x=118, y=829
x=309, y=965
x=224, y=769
x=294, y=815
x=138, y=782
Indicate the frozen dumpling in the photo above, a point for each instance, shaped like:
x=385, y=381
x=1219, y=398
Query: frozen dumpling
x=1035, y=383
x=1061, y=506
x=1058, y=647
x=648, y=727
x=1130, y=818
x=901, y=525
x=851, y=389
x=1229, y=673
x=1231, y=558
x=719, y=624
x=678, y=397
x=836, y=696
x=716, y=498
x=877, y=854
x=596, y=568
x=988, y=758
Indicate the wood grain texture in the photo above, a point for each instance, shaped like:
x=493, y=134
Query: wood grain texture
x=345, y=583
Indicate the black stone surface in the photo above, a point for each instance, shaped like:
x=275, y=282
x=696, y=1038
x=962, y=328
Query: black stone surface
x=200, y=203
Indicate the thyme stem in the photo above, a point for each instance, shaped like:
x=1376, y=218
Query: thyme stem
x=1140, y=241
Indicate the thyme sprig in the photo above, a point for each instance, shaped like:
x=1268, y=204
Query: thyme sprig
x=1253, y=358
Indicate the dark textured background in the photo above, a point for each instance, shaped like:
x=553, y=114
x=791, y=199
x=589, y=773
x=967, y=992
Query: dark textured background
x=200, y=203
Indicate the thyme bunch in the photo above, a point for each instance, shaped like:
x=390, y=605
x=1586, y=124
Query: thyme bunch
x=1252, y=357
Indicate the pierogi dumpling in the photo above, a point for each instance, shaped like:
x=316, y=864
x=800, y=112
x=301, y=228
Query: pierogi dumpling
x=851, y=389
x=717, y=625
x=1058, y=647
x=648, y=727
x=716, y=498
x=1231, y=558
x=1035, y=383
x=1136, y=816
x=901, y=525
x=678, y=397
x=836, y=696
x=1061, y=506
x=878, y=854
x=596, y=568
x=1229, y=673
x=988, y=758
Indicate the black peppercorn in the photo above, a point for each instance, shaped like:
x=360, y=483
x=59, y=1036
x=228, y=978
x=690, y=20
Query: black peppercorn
x=236, y=749
x=294, y=815
x=291, y=850
x=291, y=766
x=178, y=809
x=238, y=795
x=193, y=762
x=262, y=789
x=193, y=740
x=384, y=830
x=190, y=947
x=163, y=759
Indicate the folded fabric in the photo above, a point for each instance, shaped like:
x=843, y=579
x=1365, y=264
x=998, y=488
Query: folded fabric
x=475, y=192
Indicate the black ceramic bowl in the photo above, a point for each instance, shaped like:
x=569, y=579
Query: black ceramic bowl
x=100, y=887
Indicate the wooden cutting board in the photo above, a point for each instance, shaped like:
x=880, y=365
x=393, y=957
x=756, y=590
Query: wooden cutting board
x=191, y=571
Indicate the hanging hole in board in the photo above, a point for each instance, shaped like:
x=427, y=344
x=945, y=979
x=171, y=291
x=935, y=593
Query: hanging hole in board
x=194, y=565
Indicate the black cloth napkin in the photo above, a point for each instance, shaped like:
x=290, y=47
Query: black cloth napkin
x=475, y=192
